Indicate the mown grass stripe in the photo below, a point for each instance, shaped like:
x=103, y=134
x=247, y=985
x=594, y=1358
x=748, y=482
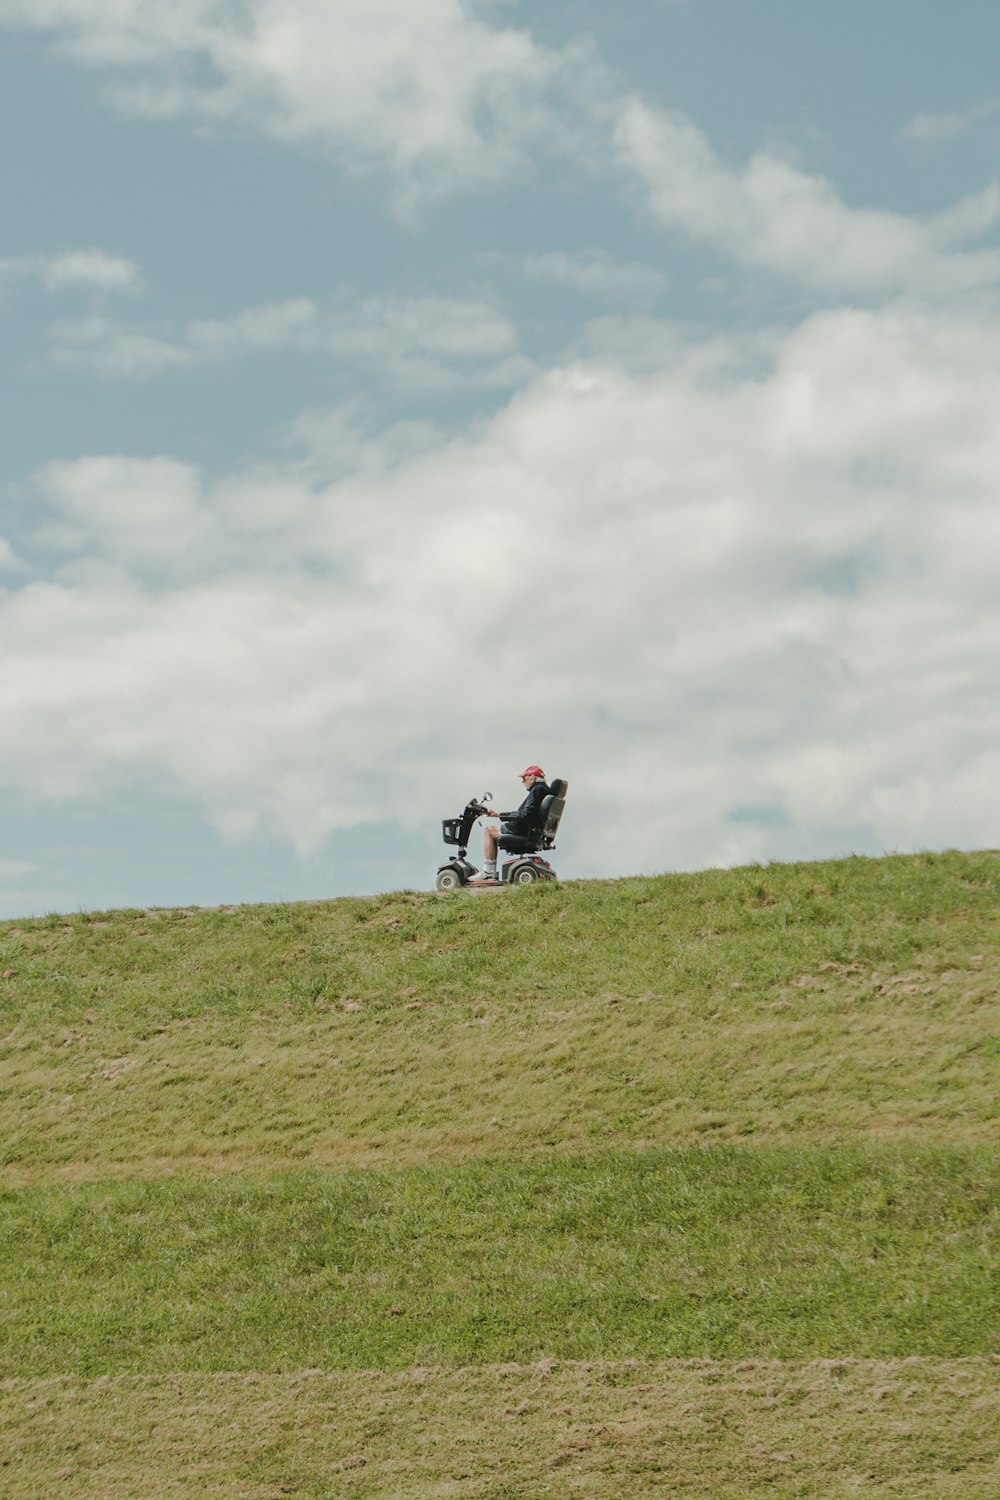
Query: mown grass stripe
x=722, y=1253
x=708, y=1431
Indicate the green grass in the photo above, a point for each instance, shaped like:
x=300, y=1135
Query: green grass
x=722, y=1253
x=423, y=1147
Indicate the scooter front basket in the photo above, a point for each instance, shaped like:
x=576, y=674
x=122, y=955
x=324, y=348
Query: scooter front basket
x=451, y=830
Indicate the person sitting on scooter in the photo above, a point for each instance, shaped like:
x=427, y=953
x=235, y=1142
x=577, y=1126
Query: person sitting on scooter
x=517, y=829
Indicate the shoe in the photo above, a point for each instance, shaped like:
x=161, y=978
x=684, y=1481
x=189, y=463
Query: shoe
x=486, y=877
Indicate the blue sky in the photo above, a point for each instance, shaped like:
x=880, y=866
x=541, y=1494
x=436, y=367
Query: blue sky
x=400, y=391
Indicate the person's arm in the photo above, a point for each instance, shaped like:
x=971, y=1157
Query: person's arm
x=517, y=812
x=525, y=817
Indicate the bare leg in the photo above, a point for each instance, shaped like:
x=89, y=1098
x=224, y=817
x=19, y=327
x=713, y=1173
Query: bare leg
x=490, y=835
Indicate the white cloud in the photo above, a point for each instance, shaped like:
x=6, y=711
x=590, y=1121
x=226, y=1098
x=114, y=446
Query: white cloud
x=776, y=217
x=120, y=351
x=102, y=344
x=424, y=343
x=9, y=560
x=138, y=512
x=749, y=613
x=938, y=128
x=333, y=442
x=934, y=128
x=416, y=342
x=594, y=272
x=440, y=95
x=429, y=89
x=440, y=326
x=278, y=325
x=91, y=268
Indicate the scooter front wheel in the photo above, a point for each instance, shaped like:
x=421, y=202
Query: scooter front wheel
x=449, y=880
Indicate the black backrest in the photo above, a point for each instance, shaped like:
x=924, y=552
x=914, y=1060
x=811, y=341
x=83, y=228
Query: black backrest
x=550, y=811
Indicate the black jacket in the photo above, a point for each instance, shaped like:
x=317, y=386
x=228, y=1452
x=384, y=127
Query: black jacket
x=525, y=820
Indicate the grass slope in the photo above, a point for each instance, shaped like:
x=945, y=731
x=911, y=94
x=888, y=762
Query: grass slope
x=427, y=1142
x=813, y=1002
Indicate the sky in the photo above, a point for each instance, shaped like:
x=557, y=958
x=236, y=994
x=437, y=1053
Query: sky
x=399, y=392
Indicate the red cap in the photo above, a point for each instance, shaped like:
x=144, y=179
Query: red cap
x=533, y=771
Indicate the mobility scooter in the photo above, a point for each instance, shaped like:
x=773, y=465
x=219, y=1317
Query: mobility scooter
x=526, y=866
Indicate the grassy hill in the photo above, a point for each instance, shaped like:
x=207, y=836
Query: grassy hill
x=683, y=1185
